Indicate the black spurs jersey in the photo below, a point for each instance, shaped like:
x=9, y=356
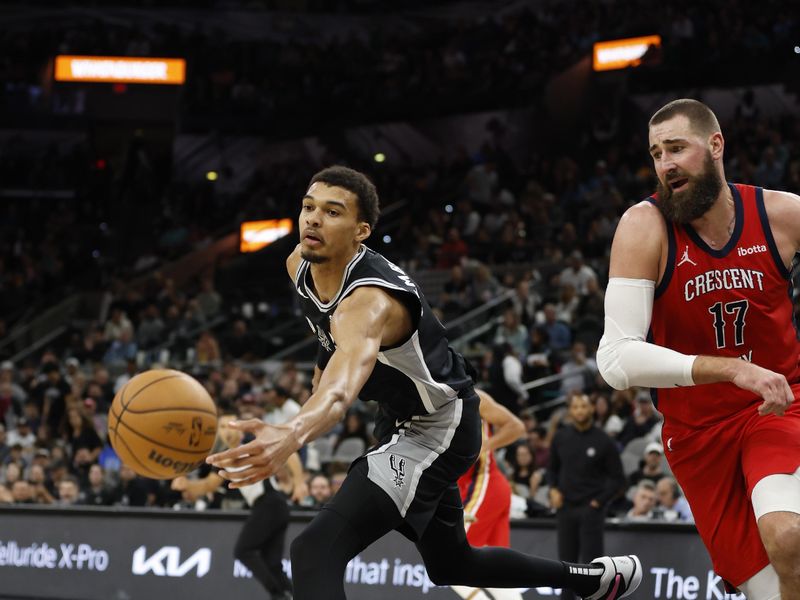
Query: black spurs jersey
x=417, y=377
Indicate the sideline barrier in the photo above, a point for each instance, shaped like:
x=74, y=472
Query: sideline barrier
x=126, y=554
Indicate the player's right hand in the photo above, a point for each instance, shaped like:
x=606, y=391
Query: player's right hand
x=258, y=459
x=770, y=386
x=179, y=484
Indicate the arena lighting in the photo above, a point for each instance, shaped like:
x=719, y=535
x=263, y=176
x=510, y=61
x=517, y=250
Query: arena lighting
x=622, y=54
x=212, y=176
x=255, y=235
x=380, y=157
x=121, y=69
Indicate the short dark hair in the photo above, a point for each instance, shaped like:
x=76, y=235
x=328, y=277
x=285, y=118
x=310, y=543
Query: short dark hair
x=358, y=184
x=701, y=118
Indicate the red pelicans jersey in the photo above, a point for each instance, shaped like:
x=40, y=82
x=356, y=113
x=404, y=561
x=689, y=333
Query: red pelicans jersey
x=735, y=301
x=486, y=495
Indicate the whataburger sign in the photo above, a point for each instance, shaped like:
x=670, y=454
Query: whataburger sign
x=121, y=69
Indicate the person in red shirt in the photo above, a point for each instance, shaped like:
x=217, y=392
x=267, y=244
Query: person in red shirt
x=697, y=307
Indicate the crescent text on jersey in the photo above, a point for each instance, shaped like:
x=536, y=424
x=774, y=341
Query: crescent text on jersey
x=723, y=279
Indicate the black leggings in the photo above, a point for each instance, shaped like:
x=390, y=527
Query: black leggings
x=260, y=543
x=362, y=513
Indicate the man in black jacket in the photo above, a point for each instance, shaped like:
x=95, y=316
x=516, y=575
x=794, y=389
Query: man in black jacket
x=585, y=474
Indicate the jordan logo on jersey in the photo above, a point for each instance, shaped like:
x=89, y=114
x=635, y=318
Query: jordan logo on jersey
x=399, y=468
x=685, y=258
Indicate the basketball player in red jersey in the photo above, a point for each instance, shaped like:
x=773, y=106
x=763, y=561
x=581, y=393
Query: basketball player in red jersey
x=705, y=267
x=485, y=491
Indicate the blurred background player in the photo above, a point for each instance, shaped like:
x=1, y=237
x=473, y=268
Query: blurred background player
x=486, y=493
x=261, y=539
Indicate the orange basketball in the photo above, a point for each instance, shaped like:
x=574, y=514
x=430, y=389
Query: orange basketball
x=162, y=424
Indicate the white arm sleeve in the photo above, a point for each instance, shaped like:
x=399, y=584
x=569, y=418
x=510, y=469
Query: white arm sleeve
x=624, y=358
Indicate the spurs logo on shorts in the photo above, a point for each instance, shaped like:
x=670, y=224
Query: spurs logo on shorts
x=399, y=468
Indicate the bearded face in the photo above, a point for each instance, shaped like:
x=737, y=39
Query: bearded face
x=685, y=198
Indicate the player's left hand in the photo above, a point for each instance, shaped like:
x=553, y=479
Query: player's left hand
x=256, y=460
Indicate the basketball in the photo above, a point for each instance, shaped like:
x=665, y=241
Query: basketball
x=162, y=424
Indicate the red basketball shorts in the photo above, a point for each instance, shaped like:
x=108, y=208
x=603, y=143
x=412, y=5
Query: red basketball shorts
x=487, y=504
x=718, y=466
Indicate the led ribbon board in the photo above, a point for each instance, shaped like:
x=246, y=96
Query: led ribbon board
x=255, y=235
x=121, y=69
x=623, y=54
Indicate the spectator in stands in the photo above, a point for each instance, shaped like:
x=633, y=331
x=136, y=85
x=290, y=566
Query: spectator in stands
x=151, y=328
x=133, y=490
x=457, y=294
x=567, y=304
x=22, y=435
x=17, y=394
x=11, y=473
x=641, y=422
x=50, y=396
x=354, y=427
x=94, y=491
x=512, y=332
x=484, y=285
x=580, y=371
x=209, y=300
x=558, y=333
x=505, y=378
x=280, y=407
x=121, y=350
x=337, y=478
x=577, y=274
x=524, y=470
x=37, y=478
x=539, y=447
x=585, y=475
x=525, y=301
x=605, y=418
x=652, y=468
x=22, y=492
x=240, y=343
x=68, y=491
x=453, y=251
x=82, y=435
x=319, y=490
x=671, y=503
x=644, y=501
x=116, y=324
x=207, y=349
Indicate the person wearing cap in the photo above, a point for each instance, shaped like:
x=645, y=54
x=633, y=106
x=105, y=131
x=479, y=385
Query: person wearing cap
x=652, y=467
x=585, y=475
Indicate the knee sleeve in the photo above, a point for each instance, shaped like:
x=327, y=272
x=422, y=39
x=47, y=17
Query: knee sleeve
x=764, y=585
x=777, y=493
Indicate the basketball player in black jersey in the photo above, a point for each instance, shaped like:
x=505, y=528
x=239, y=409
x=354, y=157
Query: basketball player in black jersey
x=379, y=340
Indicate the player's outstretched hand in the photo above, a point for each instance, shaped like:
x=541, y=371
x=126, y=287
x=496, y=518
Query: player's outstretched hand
x=771, y=386
x=258, y=459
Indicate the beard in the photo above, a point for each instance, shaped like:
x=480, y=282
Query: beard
x=313, y=257
x=692, y=203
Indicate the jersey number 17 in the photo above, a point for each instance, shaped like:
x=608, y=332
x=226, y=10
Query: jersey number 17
x=738, y=310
